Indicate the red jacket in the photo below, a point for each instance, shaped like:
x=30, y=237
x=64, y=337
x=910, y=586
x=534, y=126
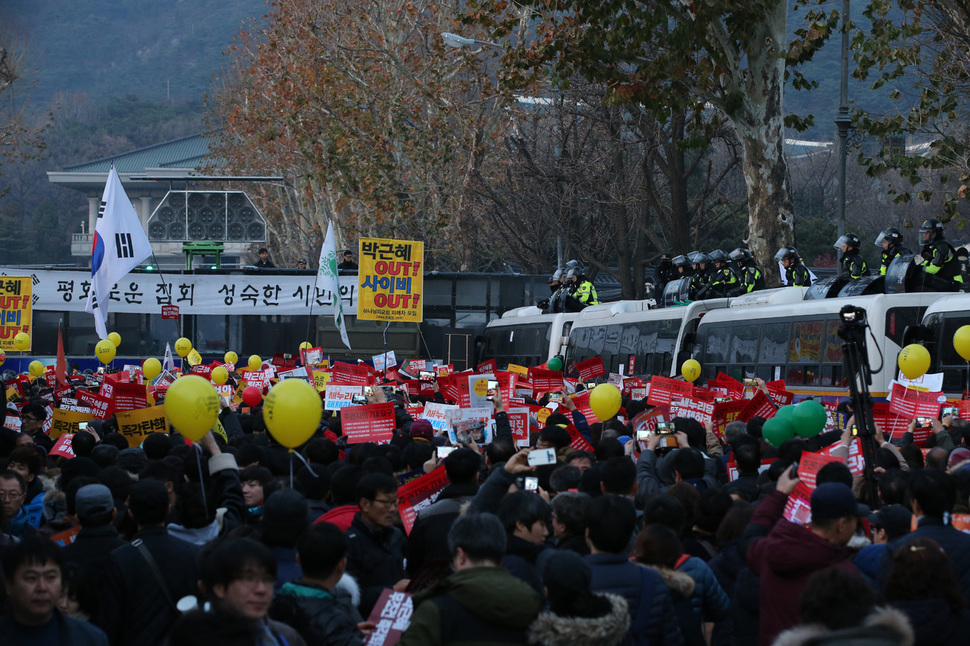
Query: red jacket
x=785, y=556
x=340, y=516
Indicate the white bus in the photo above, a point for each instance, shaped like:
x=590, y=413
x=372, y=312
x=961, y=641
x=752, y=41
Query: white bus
x=799, y=342
x=941, y=320
x=524, y=336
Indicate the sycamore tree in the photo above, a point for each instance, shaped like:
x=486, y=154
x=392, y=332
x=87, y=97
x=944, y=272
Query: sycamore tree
x=375, y=125
x=671, y=56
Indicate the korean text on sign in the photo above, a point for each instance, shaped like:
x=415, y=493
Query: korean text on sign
x=15, y=308
x=391, y=280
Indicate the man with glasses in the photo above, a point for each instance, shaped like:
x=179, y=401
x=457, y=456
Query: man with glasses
x=377, y=549
x=32, y=419
x=13, y=490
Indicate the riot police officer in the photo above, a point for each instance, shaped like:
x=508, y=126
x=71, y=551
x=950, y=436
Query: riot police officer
x=582, y=293
x=724, y=281
x=702, y=275
x=891, y=243
x=796, y=273
x=852, y=262
x=938, y=259
x=554, y=302
x=749, y=274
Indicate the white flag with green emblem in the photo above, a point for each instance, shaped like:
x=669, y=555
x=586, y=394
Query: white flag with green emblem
x=327, y=279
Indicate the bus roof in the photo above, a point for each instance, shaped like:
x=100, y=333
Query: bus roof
x=829, y=305
x=950, y=303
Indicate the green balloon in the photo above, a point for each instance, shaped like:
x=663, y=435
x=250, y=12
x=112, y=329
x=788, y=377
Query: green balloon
x=809, y=418
x=555, y=363
x=785, y=413
x=777, y=431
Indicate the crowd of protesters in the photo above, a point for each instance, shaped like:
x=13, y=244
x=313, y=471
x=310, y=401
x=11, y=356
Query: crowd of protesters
x=224, y=542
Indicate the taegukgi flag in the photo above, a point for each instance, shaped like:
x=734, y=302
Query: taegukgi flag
x=120, y=244
x=327, y=279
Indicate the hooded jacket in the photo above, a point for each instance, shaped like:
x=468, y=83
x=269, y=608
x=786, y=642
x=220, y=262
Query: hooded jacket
x=550, y=629
x=316, y=614
x=884, y=627
x=481, y=605
x=785, y=559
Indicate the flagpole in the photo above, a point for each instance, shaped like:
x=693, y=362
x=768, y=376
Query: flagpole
x=158, y=267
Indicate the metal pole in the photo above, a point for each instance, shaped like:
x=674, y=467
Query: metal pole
x=843, y=122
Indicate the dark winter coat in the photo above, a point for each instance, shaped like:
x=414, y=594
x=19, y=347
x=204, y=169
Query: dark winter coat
x=376, y=559
x=72, y=631
x=934, y=623
x=481, y=606
x=550, y=629
x=90, y=554
x=428, y=540
x=884, y=627
x=785, y=556
x=316, y=614
x=955, y=543
x=649, y=601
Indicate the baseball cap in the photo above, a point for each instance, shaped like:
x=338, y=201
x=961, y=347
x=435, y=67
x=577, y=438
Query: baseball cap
x=422, y=428
x=93, y=499
x=895, y=519
x=834, y=500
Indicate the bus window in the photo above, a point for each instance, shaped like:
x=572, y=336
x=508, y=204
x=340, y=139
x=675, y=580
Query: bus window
x=898, y=319
x=744, y=344
x=774, y=343
x=717, y=344
x=805, y=345
x=597, y=340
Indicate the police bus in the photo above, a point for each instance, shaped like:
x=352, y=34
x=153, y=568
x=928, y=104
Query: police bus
x=941, y=320
x=525, y=336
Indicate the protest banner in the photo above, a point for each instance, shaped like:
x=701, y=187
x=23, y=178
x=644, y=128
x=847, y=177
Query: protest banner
x=725, y=413
x=910, y=403
x=591, y=368
x=810, y=463
x=321, y=378
x=779, y=394
x=732, y=468
x=65, y=421
x=202, y=370
x=347, y=374
x=522, y=370
x=664, y=390
x=368, y=423
x=313, y=357
x=339, y=397
x=758, y=406
x=576, y=440
x=545, y=381
x=63, y=447
x=130, y=396
x=478, y=390
x=440, y=415
x=476, y=424
x=16, y=303
x=519, y=421
x=488, y=366
x=136, y=425
x=391, y=616
x=391, y=280
x=734, y=387
x=798, y=508
x=418, y=494
x=383, y=361
x=255, y=378
x=693, y=409
x=856, y=462
x=100, y=406
x=293, y=373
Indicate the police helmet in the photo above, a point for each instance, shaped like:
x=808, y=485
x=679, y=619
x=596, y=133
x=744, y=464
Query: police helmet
x=556, y=276
x=850, y=239
x=786, y=253
x=931, y=231
x=699, y=258
x=740, y=255
x=571, y=273
x=574, y=263
x=892, y=234
x=718, y=256
x=681, y=261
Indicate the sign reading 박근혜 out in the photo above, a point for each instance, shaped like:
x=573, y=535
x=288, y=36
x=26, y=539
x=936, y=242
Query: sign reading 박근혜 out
x=390, y=280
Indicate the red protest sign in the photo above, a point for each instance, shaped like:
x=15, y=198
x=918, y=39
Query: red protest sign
x=910, y=403
x=888, y=421
x=62, y=447
x=202, y=370
x=576, y=440
x=347, y=374
x=130, y=397
x=725, y=413
x=487, y=367
x=664, y=390
x=855, y=461
x=691, y=408
x=779, y=393
x=798, y=509
x=545, y=381
x=418, y=494
x=100, y=406
x=732, y=385
x=170, y=311
x=519, y=421
x=758, y=406
x=369, y=423
x=810, y=463
x=591, y=368
x=391, y=616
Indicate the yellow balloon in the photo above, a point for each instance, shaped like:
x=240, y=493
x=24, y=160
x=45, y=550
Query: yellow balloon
x=220, y=375
x=605, y=401
x=36, y=368
x=105, y=351
x=192, y=406
x=183, y=347
x=3, y=357
x=292, y=412
x=914, y=361
x=306, y=345
x=691, y=370
x=21, y=341
x=115, y=338
x=961, y=342
x=255, y=362
x=231, y=357
x=151, y=368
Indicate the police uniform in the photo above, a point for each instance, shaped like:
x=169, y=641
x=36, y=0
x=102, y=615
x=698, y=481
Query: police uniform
x=853, y=264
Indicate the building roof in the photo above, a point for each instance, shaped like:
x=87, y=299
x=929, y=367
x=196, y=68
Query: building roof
x=187, y=152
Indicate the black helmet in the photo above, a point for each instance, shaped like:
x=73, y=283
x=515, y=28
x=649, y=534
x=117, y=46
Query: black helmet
x=786, y=253
x=574, y=264
x=681, y=261
x=572, y=272
x=741, y=255
x=892, y=234
x=556, y=276
x=699, y=258
x=718, y=256
x=931, y=231
x=850, y=239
